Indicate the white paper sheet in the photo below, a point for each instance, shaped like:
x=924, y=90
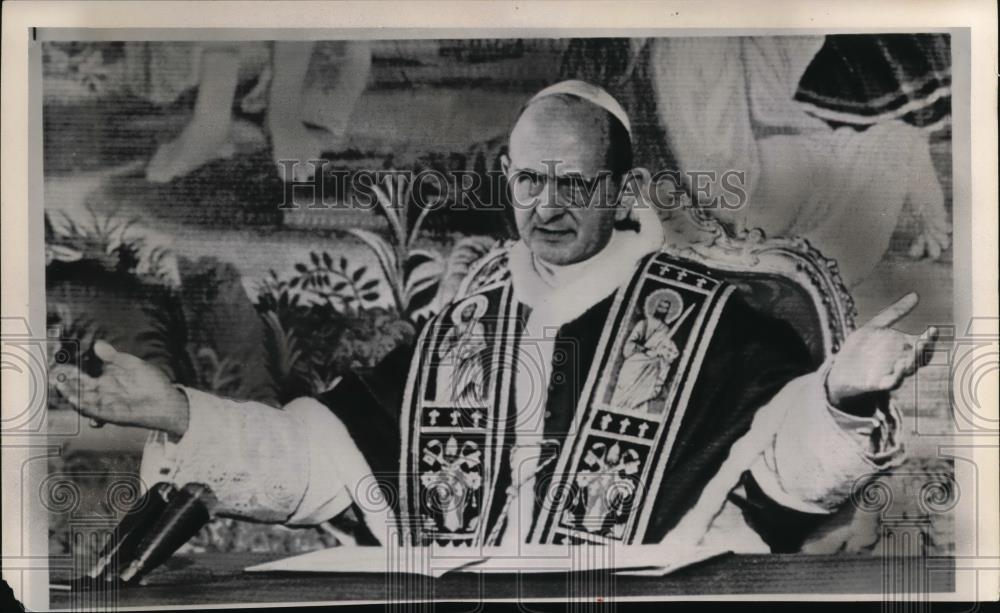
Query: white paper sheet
x=646, y=560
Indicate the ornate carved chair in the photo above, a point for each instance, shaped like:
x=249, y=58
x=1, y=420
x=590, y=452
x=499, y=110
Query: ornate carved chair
x=785, y=277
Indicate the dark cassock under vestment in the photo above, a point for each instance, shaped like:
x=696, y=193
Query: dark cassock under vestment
x=631, y=398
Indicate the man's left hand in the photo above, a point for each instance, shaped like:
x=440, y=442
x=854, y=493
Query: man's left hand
x=877, y=358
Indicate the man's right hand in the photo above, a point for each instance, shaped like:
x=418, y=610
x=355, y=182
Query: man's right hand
x=129, y=392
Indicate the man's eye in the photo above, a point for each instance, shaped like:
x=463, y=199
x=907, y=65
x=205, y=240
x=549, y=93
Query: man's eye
x=528, y=181
x=574, y=189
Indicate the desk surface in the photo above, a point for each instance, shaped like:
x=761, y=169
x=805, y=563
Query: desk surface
x=219, y=579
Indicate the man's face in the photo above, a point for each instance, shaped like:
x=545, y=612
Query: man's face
x=662, y=308
x=557, y=227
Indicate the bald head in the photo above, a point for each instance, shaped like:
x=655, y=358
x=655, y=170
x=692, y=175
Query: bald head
x=563, y=140
x=582, y=136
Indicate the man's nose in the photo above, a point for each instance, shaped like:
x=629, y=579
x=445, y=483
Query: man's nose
x=549, y=206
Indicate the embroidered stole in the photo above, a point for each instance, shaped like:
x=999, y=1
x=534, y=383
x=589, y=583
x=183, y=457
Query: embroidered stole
x=457, y=419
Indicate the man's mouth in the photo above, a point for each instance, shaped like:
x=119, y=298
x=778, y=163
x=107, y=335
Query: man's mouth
x=553, y=233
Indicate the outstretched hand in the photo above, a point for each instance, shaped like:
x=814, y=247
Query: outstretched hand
x=878, y=358
x=129, y=392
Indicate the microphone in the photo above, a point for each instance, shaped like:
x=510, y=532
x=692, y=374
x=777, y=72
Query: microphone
x=164, y=519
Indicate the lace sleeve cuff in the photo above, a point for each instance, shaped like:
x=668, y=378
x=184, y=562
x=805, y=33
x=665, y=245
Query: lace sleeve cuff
x=819, y=452
x=249, y=454
x=329, y=446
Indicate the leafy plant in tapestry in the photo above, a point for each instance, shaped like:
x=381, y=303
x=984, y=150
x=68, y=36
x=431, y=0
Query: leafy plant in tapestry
x=102, y=281
x=328, y=317
x=322, y=322
x=417, y=277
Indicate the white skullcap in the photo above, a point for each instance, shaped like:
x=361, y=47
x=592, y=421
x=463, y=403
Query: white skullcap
x=589, y=92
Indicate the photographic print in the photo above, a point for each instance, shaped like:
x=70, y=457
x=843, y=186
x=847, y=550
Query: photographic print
x=573, y=315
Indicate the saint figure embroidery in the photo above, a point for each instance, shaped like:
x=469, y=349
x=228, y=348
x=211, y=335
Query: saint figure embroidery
x=649, y=351
x=461, y=373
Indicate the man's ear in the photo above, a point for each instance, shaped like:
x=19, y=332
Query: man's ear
x=623, y=210
x=505, y=165
x=630, y=193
